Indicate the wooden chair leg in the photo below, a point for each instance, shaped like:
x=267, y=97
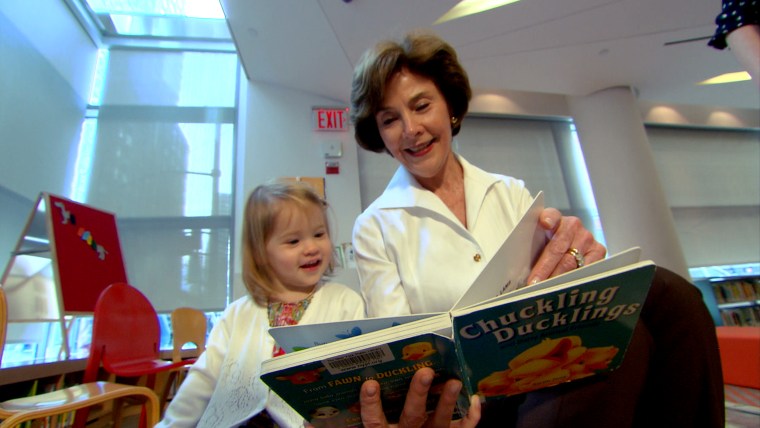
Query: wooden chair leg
x=116, y=413
x=172, y=382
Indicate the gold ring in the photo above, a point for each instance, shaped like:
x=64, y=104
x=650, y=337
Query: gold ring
x=579, y=260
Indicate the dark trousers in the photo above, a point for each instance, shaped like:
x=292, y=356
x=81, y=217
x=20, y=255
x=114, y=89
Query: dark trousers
x=670, y=376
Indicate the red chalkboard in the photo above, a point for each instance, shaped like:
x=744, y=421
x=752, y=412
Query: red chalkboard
x=86, y=251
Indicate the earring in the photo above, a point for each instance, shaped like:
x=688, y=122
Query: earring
x=453, y=120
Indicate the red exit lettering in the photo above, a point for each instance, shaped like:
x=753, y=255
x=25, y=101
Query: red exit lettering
x=330, y=119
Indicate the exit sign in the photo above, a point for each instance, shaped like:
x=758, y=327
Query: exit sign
x=329, y=118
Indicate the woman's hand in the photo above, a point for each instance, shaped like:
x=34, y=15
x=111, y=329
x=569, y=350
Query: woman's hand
x=564, y=234
x=414, y=414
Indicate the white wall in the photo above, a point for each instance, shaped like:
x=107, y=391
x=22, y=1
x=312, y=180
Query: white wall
x=276, y=140
x=44, y=81
x=43, y=87
x=50, y=27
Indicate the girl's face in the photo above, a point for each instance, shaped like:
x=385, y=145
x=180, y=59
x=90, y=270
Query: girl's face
x=415, y=124
x=299, y=250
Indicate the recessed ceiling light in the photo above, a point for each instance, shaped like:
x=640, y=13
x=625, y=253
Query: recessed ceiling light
x=471, y=7
x=738, y=76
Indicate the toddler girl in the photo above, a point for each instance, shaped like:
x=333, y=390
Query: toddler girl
x=286, y=252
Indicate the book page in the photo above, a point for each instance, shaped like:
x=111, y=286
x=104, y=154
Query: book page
x=619, y=260
x=297, y=337
x=509, y=268
x=432, y=323
x=546, y=287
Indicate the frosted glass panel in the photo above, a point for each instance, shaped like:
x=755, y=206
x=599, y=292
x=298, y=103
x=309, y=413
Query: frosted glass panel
x=703, y=168
x=161, y=158
x=181, y=262
x=138, y=168
x=171, y=78
x=719, y=236
x=712, y=182
x=518, y=148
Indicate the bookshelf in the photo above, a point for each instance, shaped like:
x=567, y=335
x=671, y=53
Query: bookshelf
x=738, y=300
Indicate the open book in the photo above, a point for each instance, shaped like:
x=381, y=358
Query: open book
x=565, y=328
x=521, y=248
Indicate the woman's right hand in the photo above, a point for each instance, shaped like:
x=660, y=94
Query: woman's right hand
x=565, y=234
x=414, y=414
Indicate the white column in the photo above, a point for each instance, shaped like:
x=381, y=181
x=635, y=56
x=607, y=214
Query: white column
x=629, y=196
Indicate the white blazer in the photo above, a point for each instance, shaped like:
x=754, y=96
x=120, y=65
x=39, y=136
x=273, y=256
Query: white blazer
x=414, y=256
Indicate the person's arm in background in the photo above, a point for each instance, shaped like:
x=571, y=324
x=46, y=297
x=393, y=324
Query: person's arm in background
x=738, y=27
x=745, y=44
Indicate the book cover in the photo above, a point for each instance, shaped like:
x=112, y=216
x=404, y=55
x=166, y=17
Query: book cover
x=326, y=392
x=531, y=338
x=547, y=337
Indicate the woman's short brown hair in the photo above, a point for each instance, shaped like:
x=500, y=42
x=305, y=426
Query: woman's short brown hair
x=424, y=54
x=261, y=209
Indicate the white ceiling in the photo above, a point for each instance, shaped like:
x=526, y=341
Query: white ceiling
x=572, y=47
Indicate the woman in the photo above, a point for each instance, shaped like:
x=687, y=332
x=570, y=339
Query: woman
x=441, y=219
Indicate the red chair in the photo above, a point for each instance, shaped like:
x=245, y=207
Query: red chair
x=59, y=404
x=125, y=339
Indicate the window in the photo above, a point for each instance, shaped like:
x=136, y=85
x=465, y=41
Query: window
x=160, y=156
x=127, y=22
x=711, y=178
x=158, y=142
x=155, y=146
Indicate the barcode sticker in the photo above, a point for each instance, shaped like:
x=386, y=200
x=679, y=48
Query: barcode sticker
x=358, y=360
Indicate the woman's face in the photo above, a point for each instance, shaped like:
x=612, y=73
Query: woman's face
x=414, y=124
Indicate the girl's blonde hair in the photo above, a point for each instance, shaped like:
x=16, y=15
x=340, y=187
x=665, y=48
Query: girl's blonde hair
x=264, y=204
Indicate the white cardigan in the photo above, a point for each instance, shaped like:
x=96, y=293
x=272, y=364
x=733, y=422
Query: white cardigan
x=223, y=388
x=414, y=256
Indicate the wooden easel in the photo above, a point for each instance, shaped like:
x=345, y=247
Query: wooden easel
x=65, y=256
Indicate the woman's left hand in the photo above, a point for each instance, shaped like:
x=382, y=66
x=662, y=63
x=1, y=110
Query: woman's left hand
x=414, y=413
x=566, y=235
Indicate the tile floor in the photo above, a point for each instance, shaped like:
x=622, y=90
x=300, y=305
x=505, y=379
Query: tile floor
x=742, y=407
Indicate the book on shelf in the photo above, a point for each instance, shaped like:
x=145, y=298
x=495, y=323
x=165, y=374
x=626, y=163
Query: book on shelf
x=736, y=290
x=501, y=339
